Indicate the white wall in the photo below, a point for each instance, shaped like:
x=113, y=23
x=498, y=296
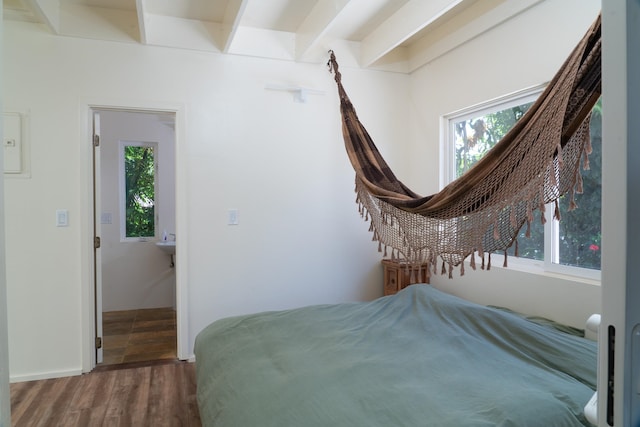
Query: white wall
x=280, y=163
x=5, y=399
x=135, y=274
x=520, y=53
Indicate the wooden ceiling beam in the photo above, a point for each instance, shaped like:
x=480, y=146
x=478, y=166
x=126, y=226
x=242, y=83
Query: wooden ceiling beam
x=399, y=27
x=47, y=11
x=316, y=24
x=232, y=18
x=141, y=6
x=473, y=22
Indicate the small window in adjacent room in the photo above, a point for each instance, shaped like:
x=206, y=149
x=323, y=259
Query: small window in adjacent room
x=571, y=246
x=138, y=182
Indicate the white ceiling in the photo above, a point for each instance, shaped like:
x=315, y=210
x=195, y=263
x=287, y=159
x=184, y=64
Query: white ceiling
x=400, y=35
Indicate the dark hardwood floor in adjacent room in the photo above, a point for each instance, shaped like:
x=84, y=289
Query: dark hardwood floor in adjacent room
x=161, y=394
x=138, y=335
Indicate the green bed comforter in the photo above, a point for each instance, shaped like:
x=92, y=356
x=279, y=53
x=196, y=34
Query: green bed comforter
x=419, y=358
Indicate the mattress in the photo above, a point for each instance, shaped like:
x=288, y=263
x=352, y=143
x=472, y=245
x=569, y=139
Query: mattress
x=421, y=357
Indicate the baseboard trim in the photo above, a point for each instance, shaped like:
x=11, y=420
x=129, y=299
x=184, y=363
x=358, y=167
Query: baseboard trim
x=44, y=375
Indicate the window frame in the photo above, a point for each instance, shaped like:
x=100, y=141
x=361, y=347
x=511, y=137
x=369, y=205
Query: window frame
x=551, y=227
x=122, y=189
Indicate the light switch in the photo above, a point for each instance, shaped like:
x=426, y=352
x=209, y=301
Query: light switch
x=106, y=218
x=233, y=217
x=62, y=218
x=12, y=143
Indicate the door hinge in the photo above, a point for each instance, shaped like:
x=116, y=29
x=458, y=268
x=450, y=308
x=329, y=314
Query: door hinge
x=98, y=342
x=96, y=140
x=96, y=242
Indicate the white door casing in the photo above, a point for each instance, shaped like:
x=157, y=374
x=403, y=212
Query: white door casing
x=97, y=253
x=92, y=292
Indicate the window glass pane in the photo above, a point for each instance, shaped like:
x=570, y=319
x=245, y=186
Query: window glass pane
x=580, y=235
x=139, y=162
x=530, y=247
x=576, y=239
x=477, y=135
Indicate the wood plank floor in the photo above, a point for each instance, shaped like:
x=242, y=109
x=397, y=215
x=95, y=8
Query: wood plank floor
x=138, y=335
x=163, y=394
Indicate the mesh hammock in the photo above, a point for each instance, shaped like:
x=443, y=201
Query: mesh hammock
x=482, y=212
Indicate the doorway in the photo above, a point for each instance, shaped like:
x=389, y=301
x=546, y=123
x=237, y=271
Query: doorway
x=134, y=209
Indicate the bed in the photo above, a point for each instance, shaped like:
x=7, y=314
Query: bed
x=421, y=357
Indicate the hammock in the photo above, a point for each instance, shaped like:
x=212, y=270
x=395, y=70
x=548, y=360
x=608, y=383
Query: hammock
x=482, y=212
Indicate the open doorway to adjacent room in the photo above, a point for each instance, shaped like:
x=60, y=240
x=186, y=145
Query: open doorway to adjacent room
x=134, y=235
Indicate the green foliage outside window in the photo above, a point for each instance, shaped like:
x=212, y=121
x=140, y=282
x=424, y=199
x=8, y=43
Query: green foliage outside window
x=579, y=230
x=476, y=136
x=139, y=161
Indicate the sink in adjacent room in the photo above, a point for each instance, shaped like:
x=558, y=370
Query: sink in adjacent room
x=168, y=246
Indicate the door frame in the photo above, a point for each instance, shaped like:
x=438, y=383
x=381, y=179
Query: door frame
x=88, y=269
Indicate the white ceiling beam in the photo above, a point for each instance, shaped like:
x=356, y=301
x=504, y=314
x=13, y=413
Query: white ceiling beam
x=232, y=18
x=99, y=23
x=171, y=31
x=261, y=43
x=48, y=11
x=407, y=21
x=141, y=9
x=439, y=42
x=316, y=24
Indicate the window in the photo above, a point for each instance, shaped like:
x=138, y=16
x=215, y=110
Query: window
x=138, y=182
x=571, y=246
